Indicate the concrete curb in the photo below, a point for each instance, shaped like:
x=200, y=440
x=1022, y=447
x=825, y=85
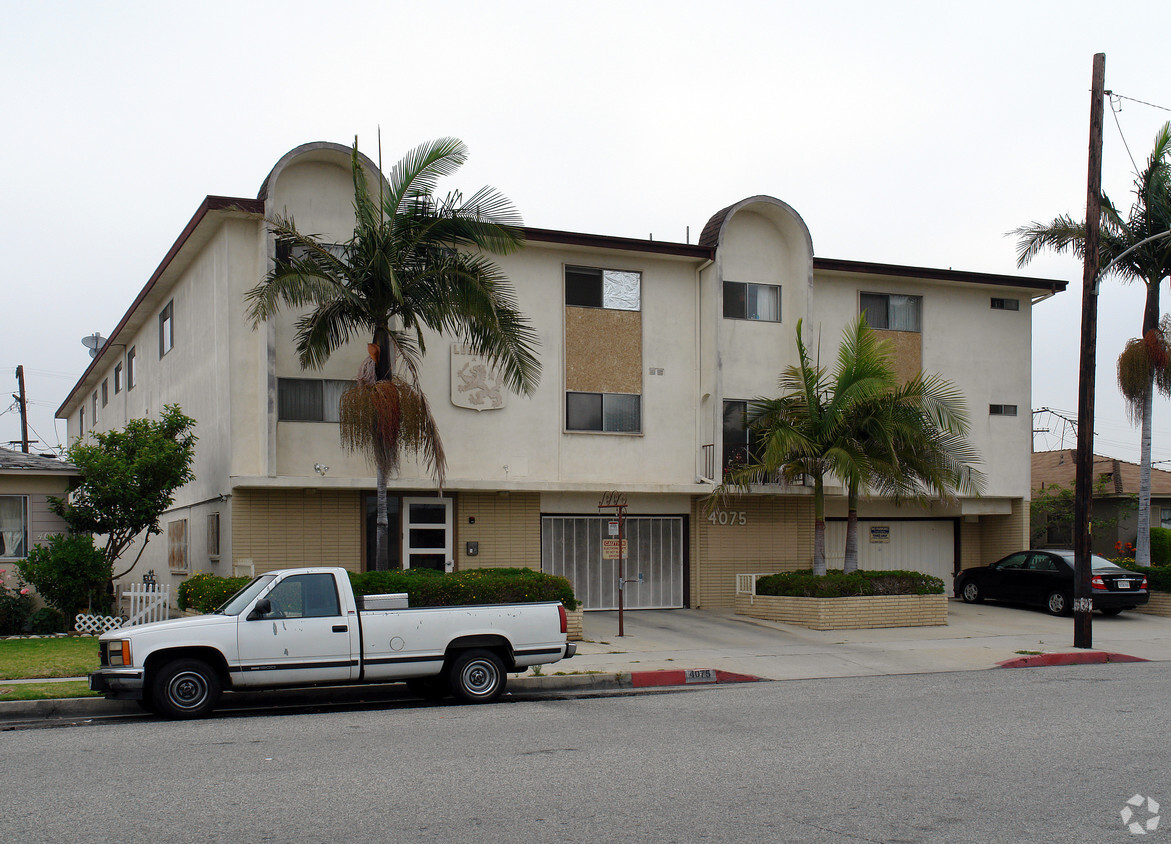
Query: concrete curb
x=1071, y=658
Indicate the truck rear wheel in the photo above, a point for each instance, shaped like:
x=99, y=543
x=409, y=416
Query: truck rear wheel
x=185, y=688
x=477, y=676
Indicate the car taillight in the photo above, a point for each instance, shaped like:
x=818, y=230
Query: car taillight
x=1144, y=586
x=1096, y=582
x=564, y=618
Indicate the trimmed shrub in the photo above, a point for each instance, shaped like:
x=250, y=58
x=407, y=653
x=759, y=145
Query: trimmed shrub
x=430, y=588
x=837, y=584
x=47, y=620
x=1160, y=546
x=1158, y=577
x=204, y=592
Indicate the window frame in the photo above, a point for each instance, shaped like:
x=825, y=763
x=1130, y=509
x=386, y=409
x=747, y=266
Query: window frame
x=744, y=299
x=24, y=528
x=167, y=328
x=602, y=413
x=131, y=354
x=918, y=329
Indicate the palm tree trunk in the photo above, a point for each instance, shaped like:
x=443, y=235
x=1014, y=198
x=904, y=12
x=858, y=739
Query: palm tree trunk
x=851, y=560
x=818, y=526
x=381, y=525
x=1142, y=543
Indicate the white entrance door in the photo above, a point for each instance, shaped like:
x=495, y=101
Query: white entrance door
x=428, y=534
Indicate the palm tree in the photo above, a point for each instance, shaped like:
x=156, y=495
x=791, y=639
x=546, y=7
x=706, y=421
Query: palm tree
x=416, y=263
x=1136, y=248
x=860, y=426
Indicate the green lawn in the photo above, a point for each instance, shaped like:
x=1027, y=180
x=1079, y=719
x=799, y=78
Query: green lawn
x=45, y=691
x=68, y=656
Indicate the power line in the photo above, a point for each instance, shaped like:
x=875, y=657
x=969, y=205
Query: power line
x=1113, y=95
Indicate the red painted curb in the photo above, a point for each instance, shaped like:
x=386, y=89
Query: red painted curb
x=687, y=677
x=1073, y=658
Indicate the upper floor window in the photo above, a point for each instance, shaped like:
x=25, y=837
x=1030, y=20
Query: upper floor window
x=105, y=392
x=744, y=300
x=95, y=408
x=618, y=290
x=618, y=413
x=892, y=311
x=130, y=369
x=118, y=378
x=740, y=441
x=1006, y=304
x=167, y=328
x=13, y=526
x=81, y=419
x=309, y=399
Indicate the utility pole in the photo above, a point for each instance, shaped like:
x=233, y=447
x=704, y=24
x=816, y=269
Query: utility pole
x=20, y=399
x=1083, y=602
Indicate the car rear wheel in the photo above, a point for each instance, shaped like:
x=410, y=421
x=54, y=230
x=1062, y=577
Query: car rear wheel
x=1057, y=603
x=971, y=593
x=477, y=676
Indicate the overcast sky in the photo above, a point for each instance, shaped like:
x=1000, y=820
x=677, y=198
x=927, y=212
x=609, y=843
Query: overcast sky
x=909, y=133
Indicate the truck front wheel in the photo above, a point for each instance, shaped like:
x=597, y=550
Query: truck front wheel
x=185, y=688
x=477, y=676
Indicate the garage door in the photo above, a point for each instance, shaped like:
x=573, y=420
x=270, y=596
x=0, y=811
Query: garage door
x=926, y=545
x=571, y=546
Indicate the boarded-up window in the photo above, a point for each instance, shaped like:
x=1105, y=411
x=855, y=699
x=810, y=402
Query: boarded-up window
x=177, y=545
x=213, y=536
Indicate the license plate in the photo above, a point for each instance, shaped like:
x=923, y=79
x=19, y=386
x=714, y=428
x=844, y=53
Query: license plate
x=1122, y=584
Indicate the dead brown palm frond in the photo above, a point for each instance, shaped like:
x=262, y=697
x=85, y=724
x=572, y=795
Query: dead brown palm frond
x=382, y=419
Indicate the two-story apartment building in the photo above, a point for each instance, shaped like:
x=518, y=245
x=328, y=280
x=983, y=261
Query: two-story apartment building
x=649, y=352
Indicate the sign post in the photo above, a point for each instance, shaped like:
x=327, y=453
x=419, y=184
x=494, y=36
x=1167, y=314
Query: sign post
x=615, y=502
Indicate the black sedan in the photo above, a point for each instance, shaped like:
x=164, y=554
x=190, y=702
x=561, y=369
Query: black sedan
x=1045, y=578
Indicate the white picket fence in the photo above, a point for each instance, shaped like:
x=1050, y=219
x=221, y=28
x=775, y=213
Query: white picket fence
x=148, y=602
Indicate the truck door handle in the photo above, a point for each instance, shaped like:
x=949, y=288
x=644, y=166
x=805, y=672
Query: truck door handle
x=339, y=628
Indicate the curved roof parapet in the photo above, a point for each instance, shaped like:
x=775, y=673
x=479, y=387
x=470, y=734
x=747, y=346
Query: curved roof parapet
x=768, y=206
x=324, y=151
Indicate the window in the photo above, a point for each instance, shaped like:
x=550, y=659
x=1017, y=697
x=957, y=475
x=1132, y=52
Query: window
x=105, y=391
x=1166, y=517
x=743, y=300
x=13, y=526
x=1002, y=410
x=81, y=419
x=618, y=413
x=304, y=596
x=118, y=378
x=892, y=311
x=586, y=287
x=167, y=328
x=213, y=536
x=177, y=545
x=1006, y=304
x=130, y=369
x=309, y=399
x=739, y=440
x=94, y=415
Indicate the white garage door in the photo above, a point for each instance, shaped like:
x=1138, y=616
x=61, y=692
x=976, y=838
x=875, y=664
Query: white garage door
x=926, y=545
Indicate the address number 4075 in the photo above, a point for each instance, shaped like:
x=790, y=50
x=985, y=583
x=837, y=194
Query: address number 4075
x=728, y=517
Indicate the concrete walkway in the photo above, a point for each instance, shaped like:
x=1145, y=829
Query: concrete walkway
x=977, y=636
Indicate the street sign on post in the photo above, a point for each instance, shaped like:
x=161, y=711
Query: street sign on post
x=615, y=502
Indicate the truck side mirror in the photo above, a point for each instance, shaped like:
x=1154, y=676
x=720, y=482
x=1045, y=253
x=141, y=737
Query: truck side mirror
x=263, y=607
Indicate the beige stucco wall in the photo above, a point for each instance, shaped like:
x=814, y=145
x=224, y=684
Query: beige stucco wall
x=777, y=535
x=285, y=528
x=1001, y=535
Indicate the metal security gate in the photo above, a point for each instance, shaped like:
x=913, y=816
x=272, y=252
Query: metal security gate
x=571, y=546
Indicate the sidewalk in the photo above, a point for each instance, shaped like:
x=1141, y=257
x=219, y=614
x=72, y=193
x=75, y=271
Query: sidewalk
x=661, y=646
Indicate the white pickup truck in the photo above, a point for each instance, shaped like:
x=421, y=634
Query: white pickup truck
x=304, y=627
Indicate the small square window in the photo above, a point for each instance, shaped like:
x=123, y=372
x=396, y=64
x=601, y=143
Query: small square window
x=1006, y=304
x=744, y=300
x=167, y=328
x=1002, y=409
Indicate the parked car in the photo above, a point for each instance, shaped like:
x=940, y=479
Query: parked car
x=1045, y=578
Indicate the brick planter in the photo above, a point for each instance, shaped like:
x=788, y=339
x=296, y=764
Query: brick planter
x=1160, y=604
x=847, y=613
x=574, y=618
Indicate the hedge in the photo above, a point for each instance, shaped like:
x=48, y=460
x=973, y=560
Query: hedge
x=1161, y=546
x=837, y=584
x=205, y=592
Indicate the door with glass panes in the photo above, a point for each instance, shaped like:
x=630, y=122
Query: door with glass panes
x=427, y=533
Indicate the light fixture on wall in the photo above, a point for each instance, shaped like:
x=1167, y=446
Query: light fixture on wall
x=320, y=469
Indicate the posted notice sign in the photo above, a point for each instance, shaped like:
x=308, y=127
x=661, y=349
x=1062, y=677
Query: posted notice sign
x=610, y=549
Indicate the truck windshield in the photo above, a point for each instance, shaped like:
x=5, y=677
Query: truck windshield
x=235, y=604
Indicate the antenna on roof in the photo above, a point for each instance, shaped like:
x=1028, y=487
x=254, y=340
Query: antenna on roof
x=94, y=343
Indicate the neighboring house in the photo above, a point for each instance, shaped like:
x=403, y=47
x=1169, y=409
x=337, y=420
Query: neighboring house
x=26, y=482
x=1115, y=508
x=650, y=351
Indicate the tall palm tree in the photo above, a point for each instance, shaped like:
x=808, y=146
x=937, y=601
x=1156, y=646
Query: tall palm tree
x=1135, y=248
x=416, y=263
x=859, y=425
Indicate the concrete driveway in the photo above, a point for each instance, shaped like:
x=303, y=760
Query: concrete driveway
x=977, y=636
